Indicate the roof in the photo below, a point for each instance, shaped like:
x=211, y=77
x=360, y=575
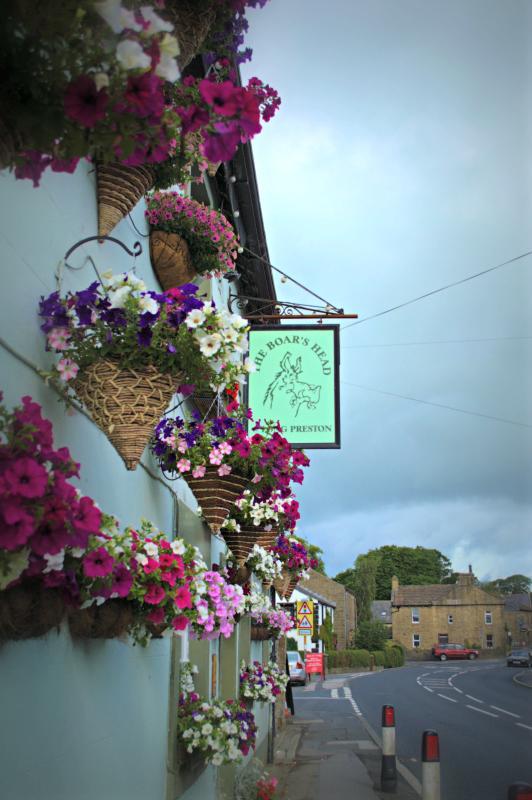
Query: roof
x=434, y=594
x=315, y=596
x=381, y=610
x=518, y=602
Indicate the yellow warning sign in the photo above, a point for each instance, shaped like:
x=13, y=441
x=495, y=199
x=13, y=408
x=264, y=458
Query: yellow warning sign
x=305, y=617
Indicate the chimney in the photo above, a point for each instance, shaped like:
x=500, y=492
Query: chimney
x=470, y=569
x=465, y=578
x=395, y=583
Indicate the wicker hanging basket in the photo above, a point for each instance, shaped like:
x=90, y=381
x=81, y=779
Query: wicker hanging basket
x=119, y=189
x=29, y=610
x=290, y=588
x=126, y=404
x=267, y=539
x=241, y=575
x=106, y=621
x=216, y=494
x=240, y=544
x=207, y=405
x=259, y=633
x=192, y=20
x=281, y=584
x=170, y=259
x=266, y=585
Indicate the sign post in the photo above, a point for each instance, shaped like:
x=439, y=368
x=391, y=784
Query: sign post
x=297, y=381
x=305, y=618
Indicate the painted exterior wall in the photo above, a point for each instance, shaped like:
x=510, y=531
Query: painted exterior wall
x=93, y=719
x=344, y=602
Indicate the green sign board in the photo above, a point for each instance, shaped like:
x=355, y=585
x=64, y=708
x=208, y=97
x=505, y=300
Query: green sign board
x=297, y=381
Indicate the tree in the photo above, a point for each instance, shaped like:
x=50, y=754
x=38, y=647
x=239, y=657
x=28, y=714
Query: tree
x=412, y=565
x=326, y=633
x=361, y=581
x=513, y=584
x=371, y=636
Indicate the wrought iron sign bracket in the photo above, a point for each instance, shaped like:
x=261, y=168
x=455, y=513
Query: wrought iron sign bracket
x=283, y=310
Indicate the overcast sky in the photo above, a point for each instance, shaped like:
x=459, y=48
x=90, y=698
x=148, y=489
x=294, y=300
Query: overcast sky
x=400, y=161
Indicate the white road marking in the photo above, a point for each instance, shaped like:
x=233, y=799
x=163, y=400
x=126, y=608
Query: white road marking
x=522, y=725
x=475, y=699
x=428, y=689
x=347, y=692
x=334, y=694
x=457, y=690
x=451, y=699
x=481, y=711
x=510, y=713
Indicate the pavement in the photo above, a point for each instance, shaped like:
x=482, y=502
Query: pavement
x=524, y=678
x=325, y=750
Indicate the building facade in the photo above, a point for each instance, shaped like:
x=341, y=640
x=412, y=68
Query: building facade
x=518, y=619
x=462, y=613
x=331, y=598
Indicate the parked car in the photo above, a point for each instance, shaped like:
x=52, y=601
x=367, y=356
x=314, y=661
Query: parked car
x=519, y=658
x=445, y=651
x=296, y=667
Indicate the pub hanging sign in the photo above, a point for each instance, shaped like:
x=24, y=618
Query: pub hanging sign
x=297, y=381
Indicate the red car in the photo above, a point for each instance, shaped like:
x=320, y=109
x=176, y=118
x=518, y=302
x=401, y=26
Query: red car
x=445, y=651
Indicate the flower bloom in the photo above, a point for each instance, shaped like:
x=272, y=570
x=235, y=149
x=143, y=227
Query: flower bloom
x=155, y=594
x=84, y=103
x=67, y=369
x=58, y=338
x=98, y=563
x=183, y=465
x=26, y=478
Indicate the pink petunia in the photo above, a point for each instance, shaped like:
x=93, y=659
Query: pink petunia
x=198, y=472
x=225, y=469
x=179, y=623
x=123, y=581
x=84, y=103
x=183, y=465
x=26, y=478
x=67, y=369
x=58, y=338
x=98, y=563
x=183, y=598
x=17, y=528
x=155, y=594
x=156, y=615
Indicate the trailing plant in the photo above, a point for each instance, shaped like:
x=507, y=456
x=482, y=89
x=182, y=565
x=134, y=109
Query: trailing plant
x=266, y=458
x=41, y=512
x=261, y=612
x=120, y=319
x=264, y=564
x=210, y=237
x=94, y=77
x=224, y=731
x=293, y=555
x=274, y=512
x=262, y=682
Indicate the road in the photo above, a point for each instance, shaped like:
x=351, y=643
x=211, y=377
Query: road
x=483, y=718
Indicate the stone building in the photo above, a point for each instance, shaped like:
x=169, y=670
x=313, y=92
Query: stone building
x=518, y=619
x=423, y=616
x=381, y=611
x=331, y=597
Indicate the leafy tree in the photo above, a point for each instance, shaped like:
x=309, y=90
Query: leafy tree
x=361, y=581
x=371, y=636
x=513, y=584
x=291, y=643
x=326, y=633
x=412, y=565
x=347, y=577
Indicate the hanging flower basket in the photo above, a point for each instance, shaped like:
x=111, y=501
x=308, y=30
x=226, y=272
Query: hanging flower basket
x=29, y=610
x=240, y=543
x=205, y=403
x=281, y=584
x=126, y=404
x=192, y=21
x=170, y=258
x=266, y=585
x=216, y=494
x=260, y=633
x=105, y=621
x=119, y=189
x=292, y=584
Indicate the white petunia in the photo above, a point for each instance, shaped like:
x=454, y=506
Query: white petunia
x=117, y=17
x=207, y=729
x=131, y=55
x=249, y=365
x=209, y=345
x=151, y=549
x=147, y=303
x=195, y=318
x=141, y=558
x=156, y=23
x=118, y=297
x=167, y=68
x=54, y=563
x=177, y=547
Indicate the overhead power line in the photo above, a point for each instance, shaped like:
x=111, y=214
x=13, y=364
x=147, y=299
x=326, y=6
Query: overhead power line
x=438, y=405
x=438, y=341
x=437, y=291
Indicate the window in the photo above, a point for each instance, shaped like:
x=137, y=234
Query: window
x=415, y=615
x=416, y=640
x=449, y=619
x=443, y=638
x=487, y=617
x=489, y=641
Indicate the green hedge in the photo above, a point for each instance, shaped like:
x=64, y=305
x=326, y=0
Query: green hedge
x=380, y=658
x=392, y=656
x=349, y=658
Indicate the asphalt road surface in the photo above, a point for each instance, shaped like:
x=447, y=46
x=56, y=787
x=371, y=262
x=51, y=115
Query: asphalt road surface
x=484, y=720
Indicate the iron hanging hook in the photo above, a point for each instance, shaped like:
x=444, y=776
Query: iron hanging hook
x=137, y=247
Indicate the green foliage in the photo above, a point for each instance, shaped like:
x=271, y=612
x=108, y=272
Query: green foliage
x=349, y=658
x=347, y=578
x=326, y=633
x=379, y=657
x=513, y=584
x=371, y=635
x=291, y=644
x=361, y=581
x=394, y=656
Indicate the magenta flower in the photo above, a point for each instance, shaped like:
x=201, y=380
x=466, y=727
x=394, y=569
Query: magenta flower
x=222, y=144
x=144, y=94
x=154, y=595
x=183, y=598
x=179, y=623
x=84, y=103
x=156, y=615
x=123, y=581
x=18, y=526
x=26, y=478
x=87, y=517
x=98, y=563
x=224, y=97
x=50, y=539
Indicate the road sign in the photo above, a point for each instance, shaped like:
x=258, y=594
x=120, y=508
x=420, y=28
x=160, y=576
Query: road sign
x=305, y=617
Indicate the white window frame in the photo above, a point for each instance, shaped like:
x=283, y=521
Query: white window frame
x=488, y=618
x=449, y=619
x=415, y=613
x=416, y=645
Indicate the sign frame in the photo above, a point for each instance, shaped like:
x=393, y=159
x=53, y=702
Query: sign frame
x=286, y=330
